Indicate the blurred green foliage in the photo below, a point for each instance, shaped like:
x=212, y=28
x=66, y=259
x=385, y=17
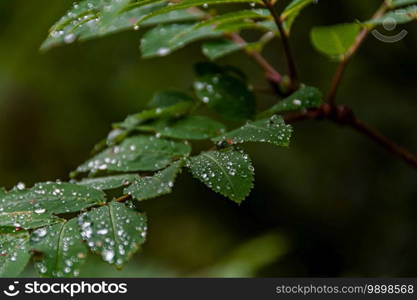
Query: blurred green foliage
x=333, y=204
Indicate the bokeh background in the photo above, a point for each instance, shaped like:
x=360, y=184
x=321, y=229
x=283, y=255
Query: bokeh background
x=334, y=204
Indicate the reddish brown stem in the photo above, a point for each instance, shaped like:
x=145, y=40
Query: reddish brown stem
x=271, y=74
x=337, y=78
x=292, y=69
x=343, y=115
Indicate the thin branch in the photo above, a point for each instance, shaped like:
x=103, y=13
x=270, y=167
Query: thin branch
x=343, y=115
x=337, y=79
x=124, y=198
x=292, y=69
x=385, y=142
x=270, y=72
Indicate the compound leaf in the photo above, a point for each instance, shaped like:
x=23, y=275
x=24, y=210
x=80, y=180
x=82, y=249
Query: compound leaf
x=229, y=173
x=166, y=99
x=137, y=153
x=176, y=109
x=51, y=198
x=191, y=127
x=153, y=186
x=164, y=39
x=272, y=130
x=305, y=98
x=95, y=18
x=219, y=48
x=27, y=219
x=14, y=254
x=109, y=182
x=114, y=231
x=227, y=95
x=192, y=3
x=62, y=250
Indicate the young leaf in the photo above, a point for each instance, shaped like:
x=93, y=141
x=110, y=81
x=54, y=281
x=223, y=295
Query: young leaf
x=62, y=250
x=188, y=128
x=227, y=95
x=335, y=41
x=305, y=98
x=51, y=198
x=137, y=153
x=272, y=130
x=27, y=219
x=164, y=39
x=292, y=11
x=14, y=254
x=157, y=185
x=114, y=231
x=109, y=182
x=229, y=173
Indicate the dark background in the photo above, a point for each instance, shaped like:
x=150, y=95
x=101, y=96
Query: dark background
x=334, y=204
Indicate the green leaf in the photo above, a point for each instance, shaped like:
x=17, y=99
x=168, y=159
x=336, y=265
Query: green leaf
x=233, y=17
x=175, y=110
x=272, y=130
x=51, y=198
x=192, y=3
x=219, y=48
x=399, y=16
x=27, y=219
x=188, y=128
x=305, y=98
x=292, y=11
x=138, y=153
x=110, y=182
x=168, y=98
x=14, y=254
x=92, y=18
x=164, y=39
x=335, y=41
x=229, y=173
x=227, y=95
x=61, y=250
x=157, y=185
x=114, y=231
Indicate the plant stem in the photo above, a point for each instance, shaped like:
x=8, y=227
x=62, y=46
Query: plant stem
x=337, y=78
x=270, y=72
x=343, y=115
x=292, y=69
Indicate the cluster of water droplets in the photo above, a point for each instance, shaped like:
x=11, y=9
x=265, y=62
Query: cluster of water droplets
x=114, y=231
x=62, y=247
x=136, y=153
x=156, y=185
x=26, y=206
x=11, y=246
x=207, y=89
x=223, y=171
